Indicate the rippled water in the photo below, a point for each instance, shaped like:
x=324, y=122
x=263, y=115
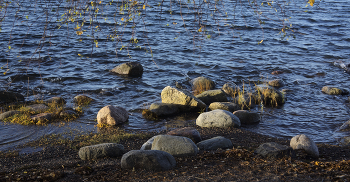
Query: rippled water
x=322, y=36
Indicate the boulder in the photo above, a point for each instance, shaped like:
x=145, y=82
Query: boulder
x=344, y=127
x=188, y=132
x=211, y=96
x=42, y=118
x=304, y=142
x=215, y=143
x=55, y=100
x=276, y=83
x=230, y=89
x=277, y=72
x=36, y=108
x=112, y=115
x=218, y=118
x=185, y=100
x=270, y=96
x=274, y=150
x=163, y=109
x=334, y=91
x=228, y=106
x=82, y=100
x=201, y=84
x=175, y=145
x=8, y=114
x=247, y=117
x=101, y=150
x=133, y=69
x=148, y=145
x=8, y=97
x=150, y=160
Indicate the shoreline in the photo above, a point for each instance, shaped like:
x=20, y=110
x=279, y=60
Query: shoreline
x=62, y=163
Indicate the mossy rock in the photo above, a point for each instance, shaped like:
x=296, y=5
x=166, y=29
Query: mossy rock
x=334, y=91
x=82, y=100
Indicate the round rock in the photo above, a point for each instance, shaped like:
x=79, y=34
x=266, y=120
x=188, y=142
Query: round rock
x=215, y=143
x=101, y=150
x=218, y=118
x=175, y=145
x=304, y=142
x=112, y=115
x=131, y=69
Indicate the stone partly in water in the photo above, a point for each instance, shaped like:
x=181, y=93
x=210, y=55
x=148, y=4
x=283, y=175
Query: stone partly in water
x=247, y=117
x=215, y=143
x=112, y=115
x=185, y=100
x=55, y=100
x=163, y=109
x=8, y=114
x=270, y=96
x=334, y=91
x=211, y=96
x=201, y=84
x=133, y=69
x=101, y=150
x=218, y=118
x=231, y=89
x=276, y=83
x=150, y=160
x=274, y=150
x=175, y=145
x=82, y=100
x=304, y=142
x=8, y=97
x=228, y=106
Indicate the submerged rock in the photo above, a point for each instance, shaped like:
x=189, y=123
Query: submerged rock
x=82, y=100
x=228, y=106
x=131, y=69
x=270, y=96
x=276, y=83
x=334, y=91
x=163, y=109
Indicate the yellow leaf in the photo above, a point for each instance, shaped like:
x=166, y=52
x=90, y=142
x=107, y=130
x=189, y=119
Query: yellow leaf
x=122, y=19
x=200, y=29
x=311, y=2
x=79, y=54
x=144, y=7
x=79, y=32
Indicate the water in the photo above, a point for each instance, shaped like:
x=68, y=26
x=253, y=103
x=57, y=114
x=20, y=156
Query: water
x=321, y=37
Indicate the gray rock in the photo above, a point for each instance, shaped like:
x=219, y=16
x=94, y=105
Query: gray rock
x=188, y=132
x=8, y=114
x=175, y=145
x=112, y=115
x=36, y=108
x=218, y=118
x=131, y=69
x=276, y=83
x=56, y=100
x=185, y=100
x=344, y=127
x=334, y=91
x=8, y=97
x=82, y=100
x=211, y=96
x=270, y=96
x=228, y=106
x=163, y=109
x=304, y=142
x=101, y=150
x=148, y=145
x=247, y=117
x=230, y=89
x=274, y=150
x=42, y=117
x=150, y=160
x=215, y=143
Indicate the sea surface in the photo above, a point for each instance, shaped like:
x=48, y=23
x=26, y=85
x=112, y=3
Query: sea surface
x=227, y=48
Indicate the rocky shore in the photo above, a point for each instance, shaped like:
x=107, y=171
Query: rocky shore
x=60, y=162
